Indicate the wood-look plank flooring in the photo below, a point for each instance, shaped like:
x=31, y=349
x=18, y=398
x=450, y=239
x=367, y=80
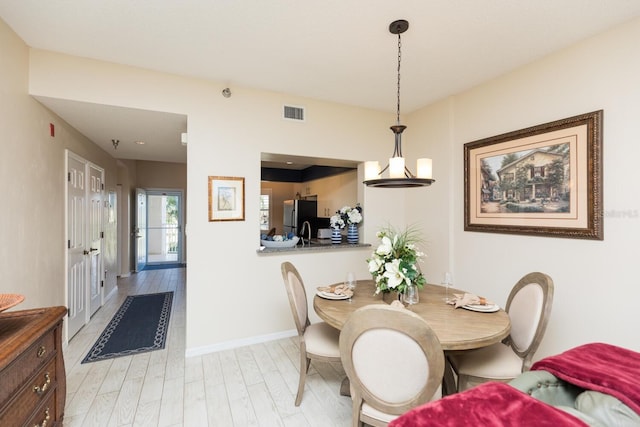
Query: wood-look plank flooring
x=248, y=386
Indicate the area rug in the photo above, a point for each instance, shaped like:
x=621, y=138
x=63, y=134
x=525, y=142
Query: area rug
x=140, y=325
x=162, y=266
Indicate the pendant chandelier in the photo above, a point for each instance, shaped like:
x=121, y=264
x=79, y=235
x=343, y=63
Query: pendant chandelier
x=399, y=175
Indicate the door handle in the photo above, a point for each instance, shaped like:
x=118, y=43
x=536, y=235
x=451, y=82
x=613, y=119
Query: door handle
x=87, y=252
x=93, y=249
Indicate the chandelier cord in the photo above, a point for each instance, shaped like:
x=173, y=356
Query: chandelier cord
x=398, y=92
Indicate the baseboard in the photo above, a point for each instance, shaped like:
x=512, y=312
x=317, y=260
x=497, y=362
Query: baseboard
x=228, y=345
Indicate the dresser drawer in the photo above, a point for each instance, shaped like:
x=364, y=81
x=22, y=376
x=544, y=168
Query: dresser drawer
x=45, y=415
x=27, y=364
x=31, y=395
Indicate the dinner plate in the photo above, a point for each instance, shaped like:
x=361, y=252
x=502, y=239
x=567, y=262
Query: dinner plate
x=329, y=295
x=483, y=308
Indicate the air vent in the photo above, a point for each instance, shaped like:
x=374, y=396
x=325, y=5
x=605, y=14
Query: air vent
x=293, y=113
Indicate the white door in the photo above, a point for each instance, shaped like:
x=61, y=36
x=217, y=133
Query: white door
x=140, y=230
x=77, y=260
x=96, y=218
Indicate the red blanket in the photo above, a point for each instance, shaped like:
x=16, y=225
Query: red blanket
x=490, y=404
x=600, y=367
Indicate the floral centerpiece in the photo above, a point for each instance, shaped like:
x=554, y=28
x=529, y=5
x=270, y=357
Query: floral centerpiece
x=346, y=216
x=393, y=264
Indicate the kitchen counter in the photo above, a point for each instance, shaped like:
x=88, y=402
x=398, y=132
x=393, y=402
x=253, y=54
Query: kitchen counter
x=317, y=245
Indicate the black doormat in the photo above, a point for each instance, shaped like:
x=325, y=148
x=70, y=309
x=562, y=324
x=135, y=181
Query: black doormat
x=162, y=266
x=140, y=325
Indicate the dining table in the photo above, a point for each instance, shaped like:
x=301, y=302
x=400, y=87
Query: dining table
x=456, y=328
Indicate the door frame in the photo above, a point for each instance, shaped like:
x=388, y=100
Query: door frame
x=169, y=192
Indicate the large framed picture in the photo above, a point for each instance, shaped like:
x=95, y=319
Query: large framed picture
x=226, y=198
x=545, y=180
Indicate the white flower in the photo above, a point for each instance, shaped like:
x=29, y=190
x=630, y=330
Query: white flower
x=396, y=249
x=385, y=247
x=374, y=264
x=393, y=274
x=354, y=216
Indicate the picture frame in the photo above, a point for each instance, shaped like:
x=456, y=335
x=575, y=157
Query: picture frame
x=545, y=180
x=226, y=198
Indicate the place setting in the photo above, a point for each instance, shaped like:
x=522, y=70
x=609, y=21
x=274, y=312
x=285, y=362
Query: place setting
x=339, y=292
x=473, y=303
x=466, y=300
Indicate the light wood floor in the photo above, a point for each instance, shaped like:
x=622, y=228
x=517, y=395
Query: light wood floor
x=248, y=386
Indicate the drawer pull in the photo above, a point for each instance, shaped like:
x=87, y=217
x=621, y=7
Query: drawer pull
x=46, y=419
x=42, y=351
x=40, y=390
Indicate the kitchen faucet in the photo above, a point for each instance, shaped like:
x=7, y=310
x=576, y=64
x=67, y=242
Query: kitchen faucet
x=305, y=226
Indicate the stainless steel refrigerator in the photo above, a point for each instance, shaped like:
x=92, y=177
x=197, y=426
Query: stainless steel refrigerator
x=298, y=211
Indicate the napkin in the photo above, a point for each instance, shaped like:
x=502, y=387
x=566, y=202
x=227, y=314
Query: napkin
x=465, y=299
x=337, y=289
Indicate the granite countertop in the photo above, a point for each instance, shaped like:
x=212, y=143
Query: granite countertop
x=317, y=245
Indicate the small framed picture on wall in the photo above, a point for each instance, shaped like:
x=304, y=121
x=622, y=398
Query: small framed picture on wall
x=226, y=198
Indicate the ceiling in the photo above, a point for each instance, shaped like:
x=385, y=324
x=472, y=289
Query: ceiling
x=334, y=50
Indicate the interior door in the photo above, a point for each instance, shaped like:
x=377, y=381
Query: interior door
x=77, y=261
x=95, y=227
x=140, y=230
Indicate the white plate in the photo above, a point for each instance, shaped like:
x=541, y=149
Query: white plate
x=329, y=295
x=483, y=308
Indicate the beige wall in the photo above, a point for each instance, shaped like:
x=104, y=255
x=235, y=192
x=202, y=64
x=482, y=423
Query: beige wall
x=32, y=183
x=596, y=285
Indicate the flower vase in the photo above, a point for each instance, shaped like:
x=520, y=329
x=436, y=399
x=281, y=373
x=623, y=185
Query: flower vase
x=336, y=236
x=352, y=233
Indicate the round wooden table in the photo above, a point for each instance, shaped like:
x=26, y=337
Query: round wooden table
x=456, y=328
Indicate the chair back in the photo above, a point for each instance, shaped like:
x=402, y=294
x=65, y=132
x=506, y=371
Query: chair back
x=529, y=307
x=393, y=359
x=297, y=296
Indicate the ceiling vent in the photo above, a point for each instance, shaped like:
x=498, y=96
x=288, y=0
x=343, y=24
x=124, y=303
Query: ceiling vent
x=293, y=113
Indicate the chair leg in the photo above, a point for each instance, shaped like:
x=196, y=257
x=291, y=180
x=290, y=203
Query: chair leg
x=304, y=368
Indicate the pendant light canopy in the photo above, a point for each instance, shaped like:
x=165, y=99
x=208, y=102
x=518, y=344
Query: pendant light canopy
x=399, y=175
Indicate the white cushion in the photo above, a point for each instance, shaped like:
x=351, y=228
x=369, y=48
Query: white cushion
x=398, y=382
x=496, y=361
x=322, y=340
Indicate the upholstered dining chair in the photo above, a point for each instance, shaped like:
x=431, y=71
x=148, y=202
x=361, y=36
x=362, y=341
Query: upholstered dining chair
x=528, y=305
x=318, y=341
x=393, y=360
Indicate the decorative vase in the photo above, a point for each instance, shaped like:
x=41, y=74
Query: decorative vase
x=352, y=233
x=336, y=236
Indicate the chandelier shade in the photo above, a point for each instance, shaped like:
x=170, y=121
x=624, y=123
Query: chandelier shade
x=399, y=175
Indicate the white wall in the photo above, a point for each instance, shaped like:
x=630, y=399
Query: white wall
x=596, y=289
x=235, y=294
x=32, y=183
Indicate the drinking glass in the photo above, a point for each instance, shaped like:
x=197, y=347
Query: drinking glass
x=411, y=295
x=447, y=283
x=350, y=281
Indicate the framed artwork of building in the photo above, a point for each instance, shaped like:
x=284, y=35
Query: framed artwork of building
x=545, y=180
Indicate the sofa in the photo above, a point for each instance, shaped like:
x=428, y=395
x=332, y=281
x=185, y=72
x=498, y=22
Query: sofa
x=591, y=385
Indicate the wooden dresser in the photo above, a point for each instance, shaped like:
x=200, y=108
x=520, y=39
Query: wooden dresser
x=32, y=376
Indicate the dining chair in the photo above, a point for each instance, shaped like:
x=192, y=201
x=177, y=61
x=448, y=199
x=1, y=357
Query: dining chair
x=529, y=306
x=393, y=360
x=318, y=341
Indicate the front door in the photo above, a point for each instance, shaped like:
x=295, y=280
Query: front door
x=140, y=230
x=77, y=261
x=95, y=217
